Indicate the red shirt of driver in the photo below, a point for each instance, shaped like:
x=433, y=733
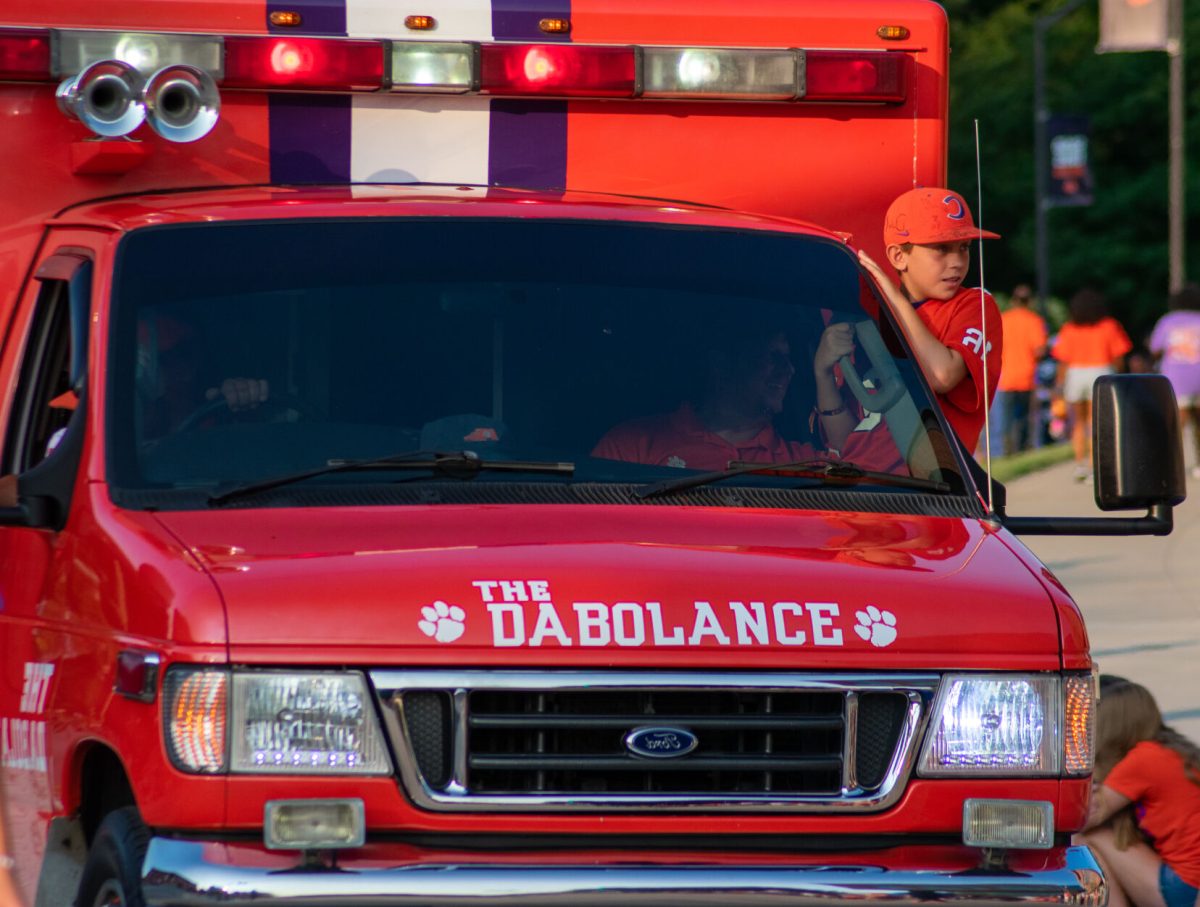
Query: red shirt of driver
x=681, y=440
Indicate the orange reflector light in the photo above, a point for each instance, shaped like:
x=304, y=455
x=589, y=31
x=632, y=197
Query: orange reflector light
x=892, y=32
x=283, y=18
x=555, y=26
x=562, y=70
x=420, y=23
x=24, y=54
x=195, y=715
x=1079, y=730
x=311, y=64
x=832, y=75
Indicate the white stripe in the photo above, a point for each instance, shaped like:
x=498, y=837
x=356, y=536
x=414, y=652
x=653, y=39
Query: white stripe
x=457, y=20
x=405, y=139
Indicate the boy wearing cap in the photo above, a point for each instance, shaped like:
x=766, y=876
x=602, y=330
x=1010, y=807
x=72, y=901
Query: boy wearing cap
x=927, y=234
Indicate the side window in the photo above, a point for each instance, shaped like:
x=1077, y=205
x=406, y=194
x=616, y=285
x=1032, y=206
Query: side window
x=51, y=365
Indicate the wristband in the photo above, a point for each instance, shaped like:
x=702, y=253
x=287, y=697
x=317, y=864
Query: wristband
x=830, y=412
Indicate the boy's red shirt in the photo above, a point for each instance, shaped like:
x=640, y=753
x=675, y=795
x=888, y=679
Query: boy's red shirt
x=957, y=323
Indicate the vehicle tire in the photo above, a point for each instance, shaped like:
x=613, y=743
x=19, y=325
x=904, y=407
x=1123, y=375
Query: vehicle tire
x=112, y=875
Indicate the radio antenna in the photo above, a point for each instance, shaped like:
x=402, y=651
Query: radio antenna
x=986, y=347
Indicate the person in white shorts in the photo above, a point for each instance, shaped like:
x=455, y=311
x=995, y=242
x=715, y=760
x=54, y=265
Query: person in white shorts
x=1091, y=344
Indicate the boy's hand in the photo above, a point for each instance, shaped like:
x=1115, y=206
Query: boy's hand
x=891, y=292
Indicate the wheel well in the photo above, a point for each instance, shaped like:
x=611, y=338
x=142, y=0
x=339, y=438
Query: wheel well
x=104, y=786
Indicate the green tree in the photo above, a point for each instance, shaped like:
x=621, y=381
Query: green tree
x=1119, y=243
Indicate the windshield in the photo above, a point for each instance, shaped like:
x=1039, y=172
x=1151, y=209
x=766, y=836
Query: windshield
x=566, y=351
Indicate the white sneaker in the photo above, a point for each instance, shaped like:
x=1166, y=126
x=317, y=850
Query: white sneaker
x=1081, y=474
x=1196, y=472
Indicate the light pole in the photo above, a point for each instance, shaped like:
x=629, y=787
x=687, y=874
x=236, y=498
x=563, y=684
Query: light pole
x=1175, y=216
x=1041, y=25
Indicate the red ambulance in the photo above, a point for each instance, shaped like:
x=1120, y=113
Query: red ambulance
x=372, y=540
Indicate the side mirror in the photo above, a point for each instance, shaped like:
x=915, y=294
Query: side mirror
x=1137, y=446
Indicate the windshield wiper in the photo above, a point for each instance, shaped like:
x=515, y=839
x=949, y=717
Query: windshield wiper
x=458, y=464
x=832, y=472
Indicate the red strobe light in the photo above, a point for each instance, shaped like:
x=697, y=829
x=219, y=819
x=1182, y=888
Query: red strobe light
x=24, y=54
x=558, y=69
x=311, y=64
x=850, y=76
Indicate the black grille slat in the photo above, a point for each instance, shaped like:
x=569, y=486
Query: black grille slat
x=690, y=722
x=619, y=764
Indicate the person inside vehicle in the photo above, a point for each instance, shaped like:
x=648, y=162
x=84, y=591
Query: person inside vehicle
x=170, y=389
x=744, y=381
x=170, y=382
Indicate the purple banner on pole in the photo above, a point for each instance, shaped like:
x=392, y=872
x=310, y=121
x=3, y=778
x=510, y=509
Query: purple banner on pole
x=317, y=17
x=310, y=139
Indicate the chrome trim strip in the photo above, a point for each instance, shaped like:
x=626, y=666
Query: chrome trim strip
x=850, y=745
x=179, y=873
x=458, y=734
x=389, y=680
x=389, y=684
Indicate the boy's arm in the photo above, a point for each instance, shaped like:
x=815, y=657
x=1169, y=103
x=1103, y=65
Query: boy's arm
x=944, y=368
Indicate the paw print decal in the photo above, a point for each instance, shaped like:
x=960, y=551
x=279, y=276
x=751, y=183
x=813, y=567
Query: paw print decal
x=443, y=622
x=876, y=626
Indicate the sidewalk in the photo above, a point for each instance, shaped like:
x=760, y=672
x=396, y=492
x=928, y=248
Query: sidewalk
x=1140, y=595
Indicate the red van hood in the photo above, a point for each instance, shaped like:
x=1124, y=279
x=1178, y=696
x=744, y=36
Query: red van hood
x=662, y=587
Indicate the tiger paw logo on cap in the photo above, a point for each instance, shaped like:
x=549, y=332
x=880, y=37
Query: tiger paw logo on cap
x=927, y=216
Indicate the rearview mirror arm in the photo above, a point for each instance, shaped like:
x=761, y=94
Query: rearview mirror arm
x=1159, y=520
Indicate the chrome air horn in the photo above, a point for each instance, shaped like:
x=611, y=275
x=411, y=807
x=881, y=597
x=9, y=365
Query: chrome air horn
x=182, y=103
x=106, y=97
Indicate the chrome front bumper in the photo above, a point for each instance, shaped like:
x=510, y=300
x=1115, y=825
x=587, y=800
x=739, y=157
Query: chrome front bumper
x=179, y=873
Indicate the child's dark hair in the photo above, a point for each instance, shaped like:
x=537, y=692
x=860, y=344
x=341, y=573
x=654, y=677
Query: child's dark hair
x=1188, y=297
x=1088, y=306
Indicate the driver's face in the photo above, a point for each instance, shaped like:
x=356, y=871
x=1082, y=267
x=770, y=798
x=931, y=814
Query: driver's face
x=765, y=383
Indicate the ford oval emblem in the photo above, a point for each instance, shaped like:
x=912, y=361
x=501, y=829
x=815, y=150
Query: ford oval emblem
x=661, y=742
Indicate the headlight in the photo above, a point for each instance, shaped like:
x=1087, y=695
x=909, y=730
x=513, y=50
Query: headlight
x=278, y=722
x=995, y=725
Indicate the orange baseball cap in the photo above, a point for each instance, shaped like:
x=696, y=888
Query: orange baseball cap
x=925, y=216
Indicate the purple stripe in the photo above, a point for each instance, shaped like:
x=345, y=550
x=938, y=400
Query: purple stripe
x=310, y=138
x=317, y=17
x=527, y=144
x=517, y=20
x=310, y=133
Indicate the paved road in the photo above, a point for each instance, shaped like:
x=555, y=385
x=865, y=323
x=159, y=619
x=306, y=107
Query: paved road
x=1140, y=596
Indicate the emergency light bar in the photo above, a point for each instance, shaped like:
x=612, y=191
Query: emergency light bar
x=185, y=72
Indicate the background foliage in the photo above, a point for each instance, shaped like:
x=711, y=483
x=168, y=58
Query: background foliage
x=1119, y=243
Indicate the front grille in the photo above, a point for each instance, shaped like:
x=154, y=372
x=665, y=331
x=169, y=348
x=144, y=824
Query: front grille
x=566, y=742
x=523, y=740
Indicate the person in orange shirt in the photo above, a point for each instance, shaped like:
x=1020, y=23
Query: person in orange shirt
x=1091, y=344
x=1024, y=346
x=1147, y=785
x=955, y=332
